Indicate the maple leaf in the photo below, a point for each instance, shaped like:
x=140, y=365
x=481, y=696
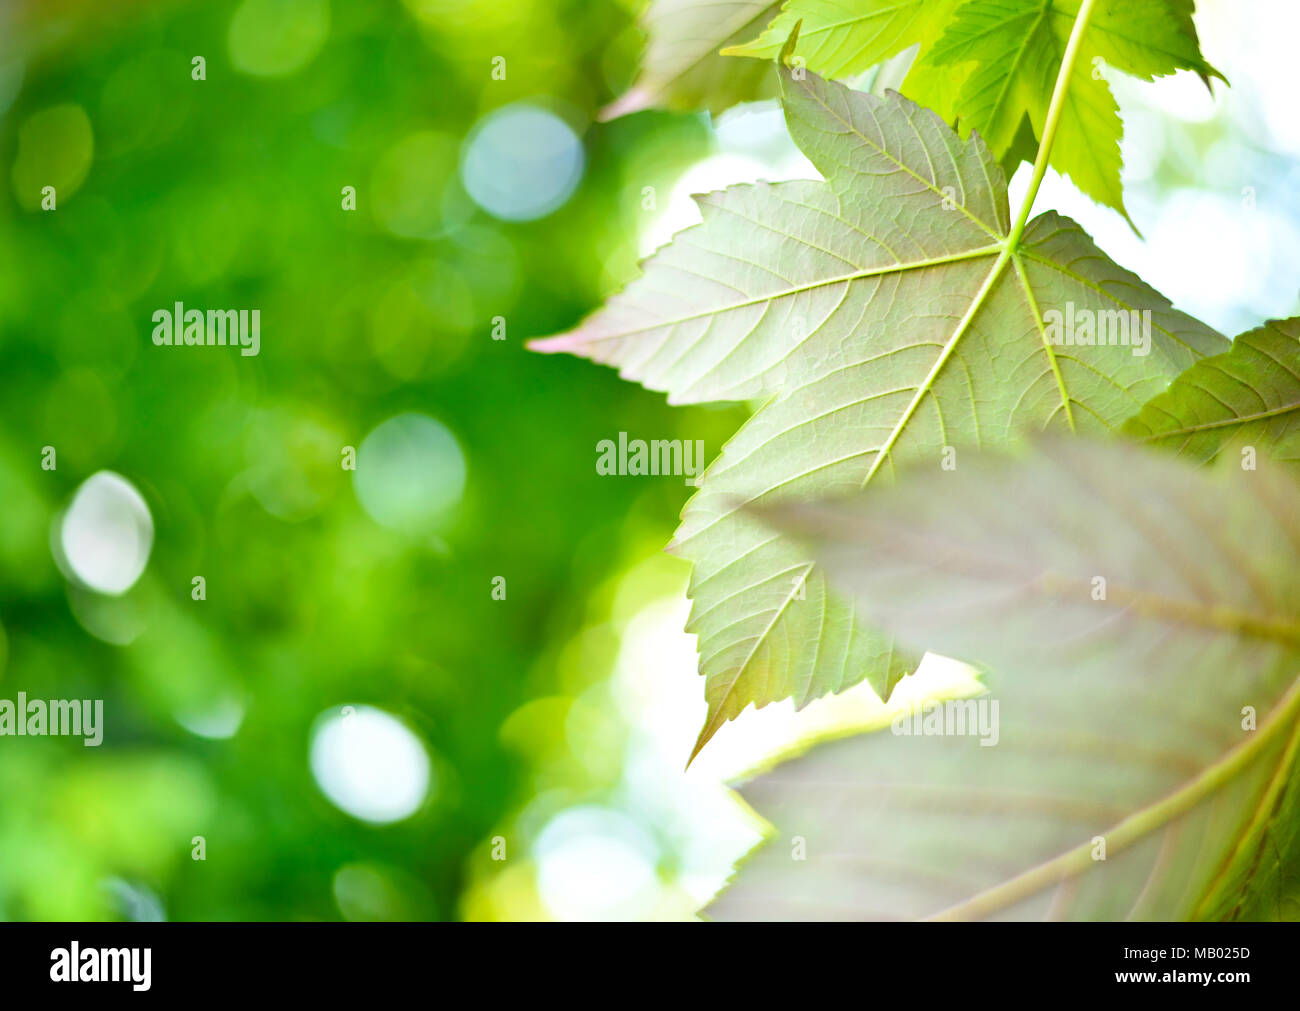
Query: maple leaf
x=1248, y=398
x=1139, y=620
x=681, y=68
x=889, y=313
x=991, y=65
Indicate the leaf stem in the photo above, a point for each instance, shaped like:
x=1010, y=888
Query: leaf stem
x=1053, y=120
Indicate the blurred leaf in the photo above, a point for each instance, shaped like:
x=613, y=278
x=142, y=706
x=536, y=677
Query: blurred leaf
x=55, y=147
x=882, y=309
x=681, y=68
x=1120, y=705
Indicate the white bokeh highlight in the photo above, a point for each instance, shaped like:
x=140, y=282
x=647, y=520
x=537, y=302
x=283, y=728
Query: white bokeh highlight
x=105, y=535
x=369, y=764
x=522, y=162
x=596, y=863
x=410, y=473
x=218, y=721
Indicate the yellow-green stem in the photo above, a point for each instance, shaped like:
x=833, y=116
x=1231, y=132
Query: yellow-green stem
x=1053, y=120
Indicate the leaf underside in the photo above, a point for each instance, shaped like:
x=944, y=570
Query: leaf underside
x=1120, y=719
x=1247, y=396
x=885, y=317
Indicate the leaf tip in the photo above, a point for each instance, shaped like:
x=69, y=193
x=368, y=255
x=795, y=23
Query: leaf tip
x=1208, y=73
x=638, y=99
x=787, y=51
x=711, y=726
x=556, y=343
x=700, y=742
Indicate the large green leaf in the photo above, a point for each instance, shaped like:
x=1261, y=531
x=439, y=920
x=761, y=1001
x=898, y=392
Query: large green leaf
x=887, y=315
x=1247, y=396
x=992, y=64
x=1120, y=706
x=842, y=39
x=682, y=69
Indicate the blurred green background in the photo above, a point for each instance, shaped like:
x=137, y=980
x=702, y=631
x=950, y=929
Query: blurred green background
x=350, y=720
x=320, y=594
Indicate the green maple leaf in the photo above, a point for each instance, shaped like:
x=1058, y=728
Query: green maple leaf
x=838, y=39
x=1247, y=396
x=992, y=66
x=887, y=313
x=1016, y=48
x=1120, y=716
x=681, y=68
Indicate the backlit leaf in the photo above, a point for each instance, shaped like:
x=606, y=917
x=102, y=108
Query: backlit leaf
x=887, y=317
x=1247, y=396
x=1121, y=705
x=992, y=64
x=842, y=39
x=681, y=68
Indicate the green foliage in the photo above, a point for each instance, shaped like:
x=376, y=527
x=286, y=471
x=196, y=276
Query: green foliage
x=1128, y=609
x=841, y=40
x=892, y=325
x=1015, y=49
x=226, y=192
x=1249, y=396
x=1137, y=620
x=681, y=68
x=991, y=65
x=889, y=313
